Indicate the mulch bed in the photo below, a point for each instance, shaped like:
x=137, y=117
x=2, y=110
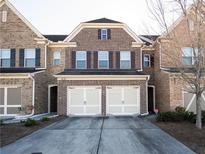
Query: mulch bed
x=9, y=133
x=186, y=133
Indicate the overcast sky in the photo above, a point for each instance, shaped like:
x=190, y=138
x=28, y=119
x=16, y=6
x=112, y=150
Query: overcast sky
x=62, y=16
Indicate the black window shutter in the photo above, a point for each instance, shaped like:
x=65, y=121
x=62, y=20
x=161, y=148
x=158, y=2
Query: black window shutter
x=88, y=59
x=21, y=57
x=109, y=34
x=73, y=59
x=110, y=59
x=117, y=59
x=13, y=58
x=95, y=59
x=38, y=57
x=152, y=61
x=133, y=60
x=99, y=34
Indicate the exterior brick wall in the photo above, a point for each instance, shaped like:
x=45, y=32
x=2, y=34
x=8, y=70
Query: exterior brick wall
x=63, y=84
x=87, y=40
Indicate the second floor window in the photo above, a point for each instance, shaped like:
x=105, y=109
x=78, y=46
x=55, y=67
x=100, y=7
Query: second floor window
x=104, y=34
x=146, y=60
x=125, y=60
x=81, y=60
x=188, y=56
x=56, y=58
x=103, y=59
x=30, y=58
x=5, y=57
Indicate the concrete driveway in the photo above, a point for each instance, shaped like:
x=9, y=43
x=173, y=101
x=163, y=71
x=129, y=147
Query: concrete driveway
x=113, y=135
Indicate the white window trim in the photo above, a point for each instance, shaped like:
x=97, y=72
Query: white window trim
x=103, y=60
x=5, y=106
x=81, y=59
x=124, y=60
x=25, y=56
x=56, y=58
x=146, y=60
x=101, y=34
x=4, y=58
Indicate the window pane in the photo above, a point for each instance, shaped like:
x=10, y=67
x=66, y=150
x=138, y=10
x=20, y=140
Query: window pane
x=81, y=64
x=1, y=110
x=1, y=96
x=125, y=64
x=5, y=62
x=103, y=55
x=30, y=53
x=146, y=64
x=81, y=55
x=30, y=62
x=187, y=52
x=146, y=58
x=13, y=110
x=5, y=53
x=14, y=96
x=125, y=55
x=187, y=60
x=56, y=55
x=103, y=64
x=104, y=34
x=56, y=61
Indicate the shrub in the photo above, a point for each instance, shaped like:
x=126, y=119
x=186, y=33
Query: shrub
x=180, y=109
x=30, y=122
x=45, y=119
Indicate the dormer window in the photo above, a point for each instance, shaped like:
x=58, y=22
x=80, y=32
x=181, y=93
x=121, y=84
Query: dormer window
x=104, y=34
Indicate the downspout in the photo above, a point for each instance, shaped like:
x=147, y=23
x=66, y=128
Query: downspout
x=46, y=45
x=147, y=113
x=33, y=100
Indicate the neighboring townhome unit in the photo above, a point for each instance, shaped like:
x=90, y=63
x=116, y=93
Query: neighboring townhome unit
x=22, y=65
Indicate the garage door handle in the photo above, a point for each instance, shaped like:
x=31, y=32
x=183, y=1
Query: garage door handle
x=123, y=102
x=84, y=102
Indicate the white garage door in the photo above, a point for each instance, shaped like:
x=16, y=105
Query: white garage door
x=84, y=100
x=123, y=100
x=190, y=102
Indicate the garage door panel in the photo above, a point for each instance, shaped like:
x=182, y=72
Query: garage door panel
x=93, y=96
x=115, y=109
x=76, y=96
x=84, y=100
x=122, y=100
x=130, y=96
x=113, y=95
x=93, y=110
x=130, y=109
x=76, y=110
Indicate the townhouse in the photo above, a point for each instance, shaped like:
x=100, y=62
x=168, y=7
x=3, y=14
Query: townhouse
x=101, y=68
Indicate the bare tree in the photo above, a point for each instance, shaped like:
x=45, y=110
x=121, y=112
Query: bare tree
x=193, y=76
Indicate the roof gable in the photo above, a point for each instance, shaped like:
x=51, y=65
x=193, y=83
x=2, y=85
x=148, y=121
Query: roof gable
x=103, y=25
x=7, y=3
x=102, y=20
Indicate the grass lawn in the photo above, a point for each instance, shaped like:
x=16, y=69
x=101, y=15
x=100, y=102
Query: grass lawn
x=186, y=133
x=9, y=133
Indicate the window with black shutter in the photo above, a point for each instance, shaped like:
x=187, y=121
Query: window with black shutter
x=13, y=58
x=21, y=57
x=38, y=57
